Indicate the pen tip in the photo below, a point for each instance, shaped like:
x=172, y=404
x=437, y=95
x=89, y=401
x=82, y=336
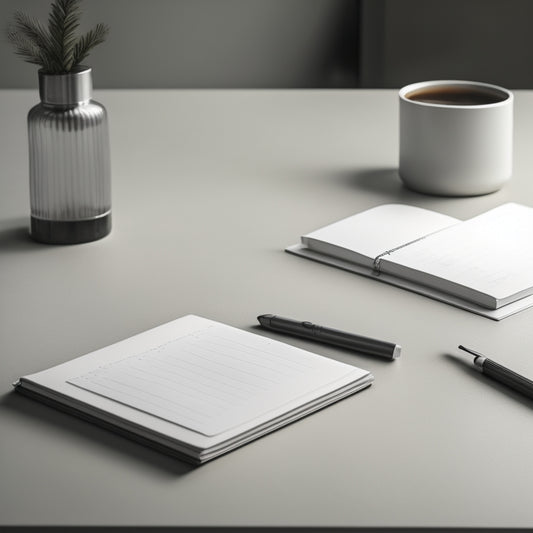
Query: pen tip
x=264, y=320
x=470, y=351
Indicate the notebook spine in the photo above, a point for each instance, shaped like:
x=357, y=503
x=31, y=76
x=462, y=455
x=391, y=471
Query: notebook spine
x=378, y=258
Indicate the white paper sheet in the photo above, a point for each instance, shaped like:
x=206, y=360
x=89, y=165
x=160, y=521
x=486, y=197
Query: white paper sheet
x=490, y=254
x=214, y=378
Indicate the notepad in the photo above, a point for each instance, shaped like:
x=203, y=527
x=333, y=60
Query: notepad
x=194, y=387
x=484, y=264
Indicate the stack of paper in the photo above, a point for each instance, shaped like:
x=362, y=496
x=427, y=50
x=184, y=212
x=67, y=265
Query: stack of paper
x=196, y=388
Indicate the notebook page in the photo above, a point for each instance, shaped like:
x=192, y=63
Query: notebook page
x=490, y=253
x=376, y=231
x=214, y=379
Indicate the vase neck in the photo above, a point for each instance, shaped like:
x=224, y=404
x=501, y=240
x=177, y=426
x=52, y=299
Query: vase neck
x=72, y=88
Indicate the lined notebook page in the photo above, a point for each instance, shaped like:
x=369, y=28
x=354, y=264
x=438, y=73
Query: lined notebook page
x=215, y=378
x=490, y=253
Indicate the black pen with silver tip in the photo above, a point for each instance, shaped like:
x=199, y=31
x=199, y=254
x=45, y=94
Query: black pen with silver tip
x=500, y=373
x=327, y=335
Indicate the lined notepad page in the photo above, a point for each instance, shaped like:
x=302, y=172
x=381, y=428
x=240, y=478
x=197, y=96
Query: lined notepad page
x=215, y=379
x=490, y=253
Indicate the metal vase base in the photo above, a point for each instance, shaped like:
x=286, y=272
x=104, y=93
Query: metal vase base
x=70, y=231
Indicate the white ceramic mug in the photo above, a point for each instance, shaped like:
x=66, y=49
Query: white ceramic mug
x=456, y=137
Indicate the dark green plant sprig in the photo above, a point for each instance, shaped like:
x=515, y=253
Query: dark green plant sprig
x=88, y=41
x=56, y=48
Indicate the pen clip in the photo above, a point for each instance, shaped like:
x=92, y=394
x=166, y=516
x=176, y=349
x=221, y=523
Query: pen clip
x=479, y=358
x=472, y=352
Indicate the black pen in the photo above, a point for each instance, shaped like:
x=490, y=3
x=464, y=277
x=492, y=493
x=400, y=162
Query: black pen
x=331, y=336
x=500, y=373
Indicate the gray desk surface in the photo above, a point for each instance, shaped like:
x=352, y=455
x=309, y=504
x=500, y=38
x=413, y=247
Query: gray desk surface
x=208, y=188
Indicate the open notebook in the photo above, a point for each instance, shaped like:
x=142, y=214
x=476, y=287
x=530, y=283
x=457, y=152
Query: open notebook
x=195, y=388
x=484, y=264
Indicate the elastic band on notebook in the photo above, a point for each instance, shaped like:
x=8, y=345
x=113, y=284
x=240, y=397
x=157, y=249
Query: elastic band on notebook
x=378, y=258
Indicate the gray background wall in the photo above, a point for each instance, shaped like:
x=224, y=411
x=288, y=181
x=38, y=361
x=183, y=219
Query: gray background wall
x=296, y=43
x=413, y=40
x=208, y=43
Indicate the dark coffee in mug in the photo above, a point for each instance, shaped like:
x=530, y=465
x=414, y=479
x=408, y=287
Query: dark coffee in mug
x=456, y=95
x=456, y=137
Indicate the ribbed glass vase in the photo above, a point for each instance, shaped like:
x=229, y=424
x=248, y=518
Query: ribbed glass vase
x=70, y=168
